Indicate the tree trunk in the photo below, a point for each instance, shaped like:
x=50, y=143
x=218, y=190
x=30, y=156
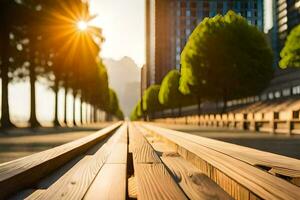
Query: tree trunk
x=5, y=118
x=74, y=107
x=199, y=109
x=179, y=110
x=81, y=107
x=33, y=120
x=56, y=88
x=95, y=114
x=86, y=113
x=65, y=103
x=224, y=104
x=91, y=114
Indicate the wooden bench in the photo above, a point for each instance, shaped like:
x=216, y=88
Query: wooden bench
x=27, y=171
x=233, y=169
x=152, y=179
x=194, y=183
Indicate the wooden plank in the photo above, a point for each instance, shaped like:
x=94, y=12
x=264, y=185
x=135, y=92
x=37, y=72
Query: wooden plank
x=120, y=149
x=279, y=164
x=24, y=172
x=225, y=168
x=141, y=149
x=75, y=182
x=110, y=183
x=154, y=182
x=194, y=183
x=152, y=179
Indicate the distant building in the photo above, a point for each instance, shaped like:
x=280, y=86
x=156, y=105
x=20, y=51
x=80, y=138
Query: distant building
x=169, y=23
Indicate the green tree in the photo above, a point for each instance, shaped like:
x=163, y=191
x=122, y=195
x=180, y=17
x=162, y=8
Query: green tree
x=225, y=58
x=136, y=112
x=150, y=100
x=290, y=54
x=169, y=94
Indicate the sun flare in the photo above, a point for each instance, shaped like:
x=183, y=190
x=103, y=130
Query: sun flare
x=82, y=25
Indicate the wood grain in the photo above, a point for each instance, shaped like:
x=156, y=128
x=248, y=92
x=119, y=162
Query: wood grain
x=110, y=183
x=278, y=164
x=75, y=182
x=141, y=149
x=228, y=171
x=152, y=179
x=154, y=182
x=24, y=172
x=194, y=183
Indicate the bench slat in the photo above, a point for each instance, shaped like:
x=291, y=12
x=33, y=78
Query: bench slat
x=110, y=183
x=24, y=172
x=152, y=178
x=75, y=182
x=259, y=182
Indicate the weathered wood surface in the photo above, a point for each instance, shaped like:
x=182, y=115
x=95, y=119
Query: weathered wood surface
x=110, y=183
x=195, y=184
x=23, y=172
x=152, y=178
x=228, y=171
x=74, y=183
x=141, y=149
x=277, y=164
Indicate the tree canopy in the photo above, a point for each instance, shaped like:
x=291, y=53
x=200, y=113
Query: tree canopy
x=225, y=58
x=151, y=103
x=169, y=94
x=41, y=39
x=114, y=107
x=290, y=54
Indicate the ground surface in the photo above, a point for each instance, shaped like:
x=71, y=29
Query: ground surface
x=16, y=143
x=279, y=144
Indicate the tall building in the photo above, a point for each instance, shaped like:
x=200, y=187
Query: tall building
x=159, y=28
x=286, y=15
x=169, y=23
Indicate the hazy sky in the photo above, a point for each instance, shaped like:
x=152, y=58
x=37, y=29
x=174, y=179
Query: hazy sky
x=123, y=27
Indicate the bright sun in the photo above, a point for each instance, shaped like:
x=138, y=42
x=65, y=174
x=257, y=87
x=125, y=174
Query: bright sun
x=82, y=25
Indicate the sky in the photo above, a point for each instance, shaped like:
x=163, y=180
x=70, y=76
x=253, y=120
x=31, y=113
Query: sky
x=123, y=27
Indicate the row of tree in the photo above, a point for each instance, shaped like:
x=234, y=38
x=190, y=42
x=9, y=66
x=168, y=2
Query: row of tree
x=225, y=58
x=40, y=39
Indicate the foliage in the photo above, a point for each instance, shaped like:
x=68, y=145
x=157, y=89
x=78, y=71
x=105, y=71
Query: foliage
x=225, y=58
x=136, y=112
x=41, y=39
x=290, y=54
x=114, y=107
x=169, y=94
x=151, y=103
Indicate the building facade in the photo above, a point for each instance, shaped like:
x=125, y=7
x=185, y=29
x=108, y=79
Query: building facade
x=286, y=15
x=169, y=24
